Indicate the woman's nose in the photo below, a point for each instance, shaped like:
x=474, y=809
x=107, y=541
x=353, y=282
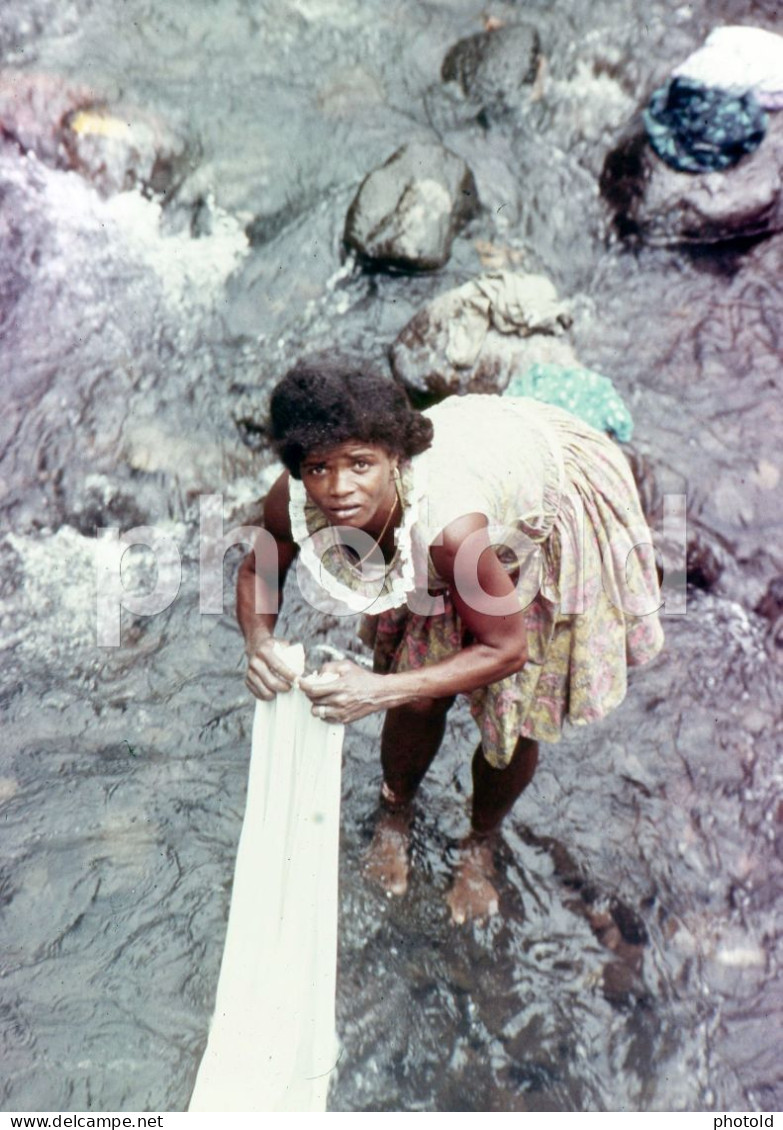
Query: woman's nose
x=341, y=484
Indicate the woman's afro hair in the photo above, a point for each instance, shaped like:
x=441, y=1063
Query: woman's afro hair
x=326, y=400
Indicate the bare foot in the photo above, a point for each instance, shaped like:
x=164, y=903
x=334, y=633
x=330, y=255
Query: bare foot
x=386, y=862
x=472, y=895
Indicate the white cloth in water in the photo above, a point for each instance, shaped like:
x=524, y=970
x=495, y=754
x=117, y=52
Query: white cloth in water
x=272, y=1044
x=740, y=58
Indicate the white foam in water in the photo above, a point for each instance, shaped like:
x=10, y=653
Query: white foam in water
x=272, y=1044
x=186, y=266
x=60, y=573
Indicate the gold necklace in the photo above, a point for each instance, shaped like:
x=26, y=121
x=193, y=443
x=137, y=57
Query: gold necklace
x=358, y=564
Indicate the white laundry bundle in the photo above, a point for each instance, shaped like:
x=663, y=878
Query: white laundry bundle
x=740, y=58
x=272, y=1044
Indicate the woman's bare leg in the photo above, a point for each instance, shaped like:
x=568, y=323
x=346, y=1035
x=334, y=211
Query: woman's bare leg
x=473, y=894
x=411, y=738
x=495, y=791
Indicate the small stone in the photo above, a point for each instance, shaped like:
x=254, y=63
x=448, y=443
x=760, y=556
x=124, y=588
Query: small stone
x=771, y=604
x=704, y=559
x=495, y=68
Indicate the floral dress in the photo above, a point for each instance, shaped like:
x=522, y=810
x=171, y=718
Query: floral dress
x=565, y=519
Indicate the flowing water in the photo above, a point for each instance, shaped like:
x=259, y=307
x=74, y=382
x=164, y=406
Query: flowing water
x=636, y=964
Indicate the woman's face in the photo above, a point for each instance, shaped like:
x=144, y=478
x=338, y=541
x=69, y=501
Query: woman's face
x=352, y=483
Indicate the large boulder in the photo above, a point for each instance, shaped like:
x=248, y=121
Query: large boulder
x=658, y=205
x=406, y=213
x=71, y=126
x=476, y=337
x=496, y=68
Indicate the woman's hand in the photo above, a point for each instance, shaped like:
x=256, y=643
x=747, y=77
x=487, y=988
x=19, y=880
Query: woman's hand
x=354, y=693
x=267, y=675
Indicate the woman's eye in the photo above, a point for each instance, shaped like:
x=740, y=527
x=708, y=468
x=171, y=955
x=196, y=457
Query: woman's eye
x=361, y=464
x=316, y=469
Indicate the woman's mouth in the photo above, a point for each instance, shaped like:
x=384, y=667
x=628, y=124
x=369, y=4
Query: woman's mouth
x=343, y=513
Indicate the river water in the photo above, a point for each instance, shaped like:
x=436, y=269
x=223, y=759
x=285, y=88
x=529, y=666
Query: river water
x=636, y=965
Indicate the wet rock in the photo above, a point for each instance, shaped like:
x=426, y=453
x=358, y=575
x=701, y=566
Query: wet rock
x=771, y=604
x=660, y=206
x=122, y=149
x=99, y=503
x=705, y=558
x=476, y=337
x=70, y=126
x=774, y=641
x=407, y=212
x=618, y=982
x=495, y=68
x=263, y=229
x=629, y=923
x=253, y=431
x=33, y=108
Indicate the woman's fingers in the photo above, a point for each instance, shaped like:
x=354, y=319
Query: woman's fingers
x=337, y=666
x=257, y=688
x=317, y=691
x=340, y=692
x=262, y=675
x=278, y=669
x=263, y=683
x=267, y=675
x=330, y=680
x=333, y=711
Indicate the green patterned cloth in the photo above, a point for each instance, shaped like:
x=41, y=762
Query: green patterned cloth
x=584, y=393
x=699, y=129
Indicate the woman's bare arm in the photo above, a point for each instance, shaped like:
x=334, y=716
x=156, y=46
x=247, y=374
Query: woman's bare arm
x=488, y=605
x=484, y=596
x=259, y=593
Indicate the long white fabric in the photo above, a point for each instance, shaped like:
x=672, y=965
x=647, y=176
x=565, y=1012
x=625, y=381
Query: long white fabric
x=272, y=1044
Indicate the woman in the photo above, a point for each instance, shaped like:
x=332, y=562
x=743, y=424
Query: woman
x=499, y=550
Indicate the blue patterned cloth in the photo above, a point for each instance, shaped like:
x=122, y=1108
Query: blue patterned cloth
x=583, y=392
x=698, y=129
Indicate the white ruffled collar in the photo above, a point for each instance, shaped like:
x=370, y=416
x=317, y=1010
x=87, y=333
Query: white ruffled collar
x=335, y=585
